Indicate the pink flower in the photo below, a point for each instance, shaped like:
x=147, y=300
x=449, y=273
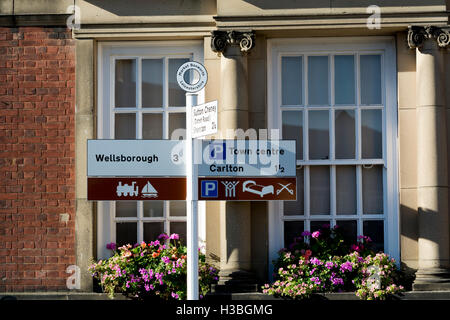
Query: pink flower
x=127, y=254
x=174, y=236
x=315, y=234
x=163, y=236
x=111, y=246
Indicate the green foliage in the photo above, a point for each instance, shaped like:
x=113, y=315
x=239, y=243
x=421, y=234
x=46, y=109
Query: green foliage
x=322, y=261
x=149, y=270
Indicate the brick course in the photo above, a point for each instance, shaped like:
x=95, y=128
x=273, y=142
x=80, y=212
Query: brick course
x=37, y=183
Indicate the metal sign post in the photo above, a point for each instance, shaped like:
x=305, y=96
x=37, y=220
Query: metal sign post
x=191, y=205
x=191, y=175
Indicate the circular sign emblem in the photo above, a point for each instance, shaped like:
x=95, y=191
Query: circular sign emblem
x=196, y=68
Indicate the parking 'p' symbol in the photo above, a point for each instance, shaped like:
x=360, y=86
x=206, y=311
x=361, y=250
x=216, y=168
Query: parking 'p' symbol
x=209, y=188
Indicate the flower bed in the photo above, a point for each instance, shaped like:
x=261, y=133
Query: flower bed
x=148, y=270
x=322, y=261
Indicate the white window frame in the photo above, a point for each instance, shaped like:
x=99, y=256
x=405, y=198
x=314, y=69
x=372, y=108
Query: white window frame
x=276, y=48
x=108, y=52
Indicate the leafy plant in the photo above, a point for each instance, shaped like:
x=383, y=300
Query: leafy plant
x=148, y=270
x=322, y=261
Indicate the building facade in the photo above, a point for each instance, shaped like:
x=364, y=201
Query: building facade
x=362, y=86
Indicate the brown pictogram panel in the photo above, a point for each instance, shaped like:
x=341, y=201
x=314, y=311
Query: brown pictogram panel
x=129, y=188
x=247, y=189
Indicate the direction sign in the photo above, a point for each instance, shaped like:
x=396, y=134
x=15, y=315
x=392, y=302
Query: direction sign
x=247, y=188
x=247, y=158
x=148, y=188
x=130, y=158
x=204, y=119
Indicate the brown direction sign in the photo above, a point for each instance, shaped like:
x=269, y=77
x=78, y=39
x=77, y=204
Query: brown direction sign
x=247, y=189
x=147, y=188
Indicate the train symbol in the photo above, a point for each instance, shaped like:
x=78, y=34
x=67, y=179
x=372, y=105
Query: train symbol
x=126, y=190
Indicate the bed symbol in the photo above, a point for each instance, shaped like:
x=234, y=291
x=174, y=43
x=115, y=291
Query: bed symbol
x=285, y=187
x=252, y=187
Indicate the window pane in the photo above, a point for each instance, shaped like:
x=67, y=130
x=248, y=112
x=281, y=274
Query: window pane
x=180, y=229
x=320, y=190
x=345, y=190
x=344, y=80
x=291, y=80
x=318, y=80
x=126, y=208
x=177, y=96
x=177, y=208
x=177, y=121
x=375, y=230
x=319, y=138
x=125, y=84
x=349, y=229
x=152, y=230
x=316, y=225
x=152, y=83
x=126, y=233
x=371, y=126
x=153, y=209
x=370, y=79
x=345, y=134
x=372, y=189
x=296, y=207
x=293, y=129
x=152, y=126
x=292, y=230
x=125, y=126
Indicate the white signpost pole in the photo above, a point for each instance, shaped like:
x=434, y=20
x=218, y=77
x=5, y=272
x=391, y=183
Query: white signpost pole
x=191, y=204
x=191, y=173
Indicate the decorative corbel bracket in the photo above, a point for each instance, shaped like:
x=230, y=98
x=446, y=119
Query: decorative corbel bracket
x=221, y=39
x=417, y=36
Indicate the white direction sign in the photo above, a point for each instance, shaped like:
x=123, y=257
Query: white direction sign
x=255, y=158
x=204, y=119
x=128, y=158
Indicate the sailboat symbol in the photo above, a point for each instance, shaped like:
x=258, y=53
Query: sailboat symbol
x=149, y=191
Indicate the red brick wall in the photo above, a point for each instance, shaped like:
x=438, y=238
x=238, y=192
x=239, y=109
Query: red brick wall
x=37, y=183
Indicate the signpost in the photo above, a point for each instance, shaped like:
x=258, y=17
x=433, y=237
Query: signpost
x=191, y=173
x=247, y=170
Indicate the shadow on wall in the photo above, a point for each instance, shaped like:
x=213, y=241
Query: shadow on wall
x=295, y=4
x=409, y=223
x=156, y=7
